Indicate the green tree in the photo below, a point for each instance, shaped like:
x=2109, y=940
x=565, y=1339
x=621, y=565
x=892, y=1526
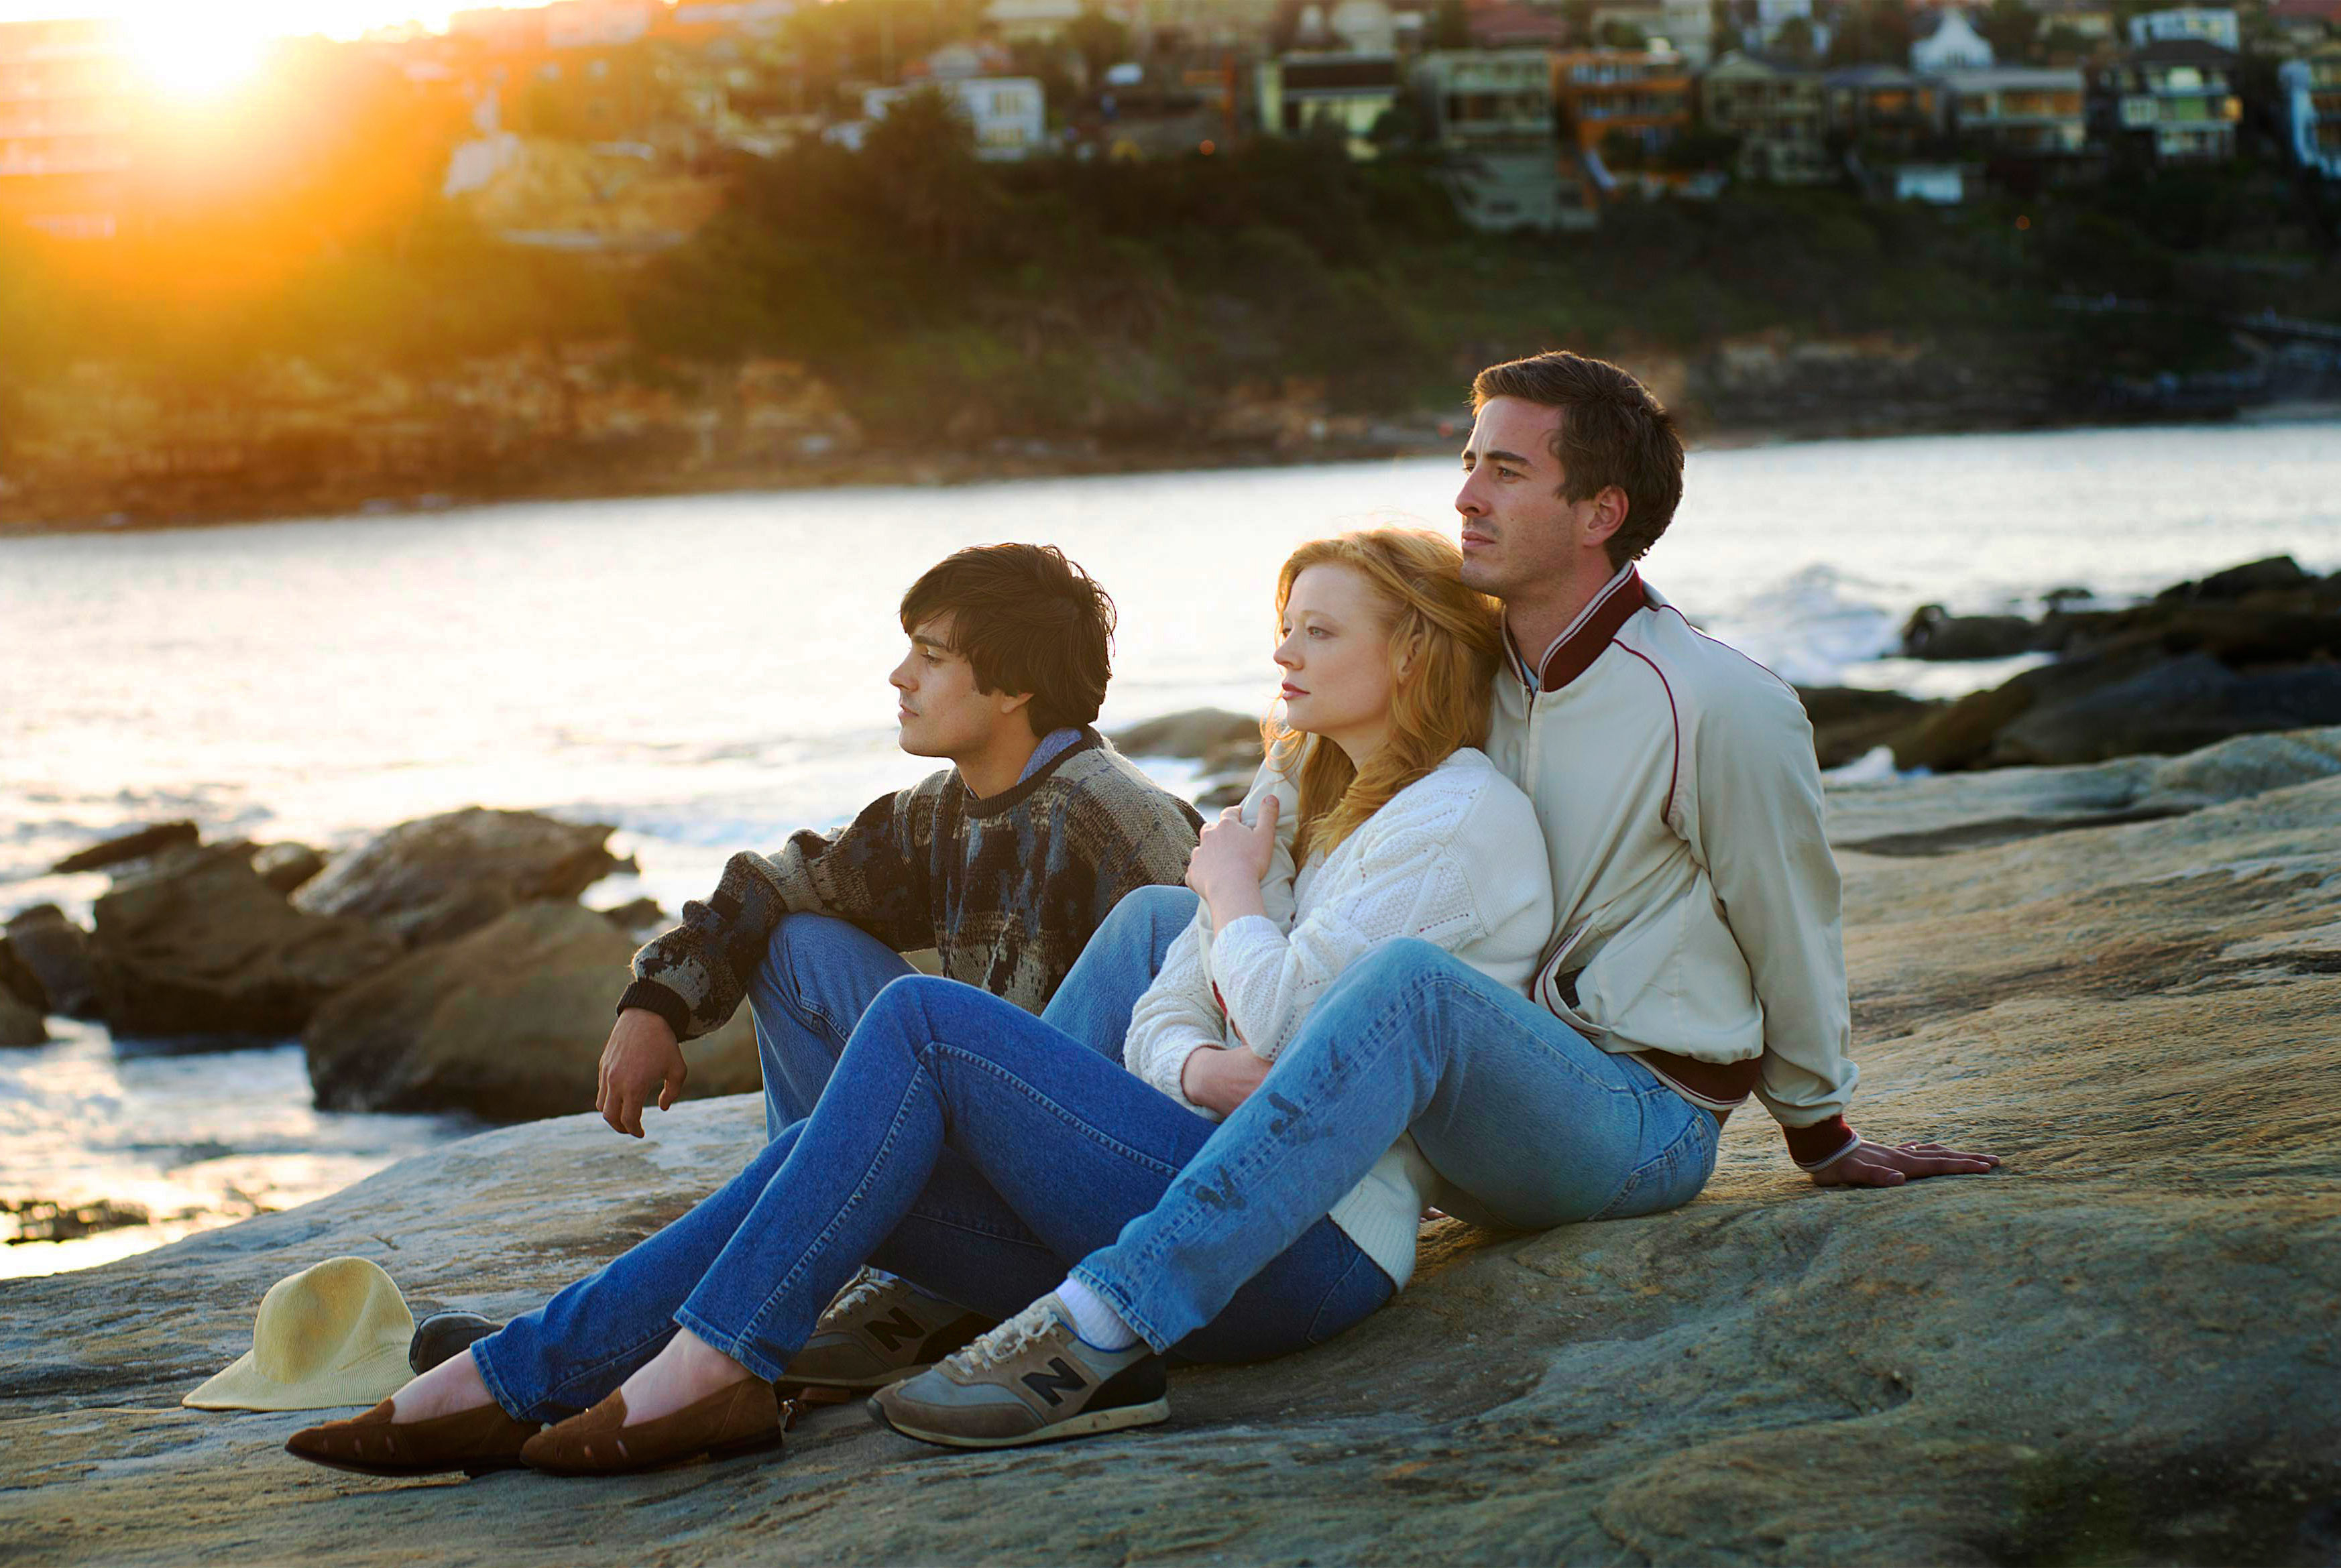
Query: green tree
x=1871, y=34
x=1100, y=40
x=2012, y=28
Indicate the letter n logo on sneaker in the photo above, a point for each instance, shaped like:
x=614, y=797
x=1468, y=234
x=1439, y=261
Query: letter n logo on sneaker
x=895, y=1330
x=1056, y=1383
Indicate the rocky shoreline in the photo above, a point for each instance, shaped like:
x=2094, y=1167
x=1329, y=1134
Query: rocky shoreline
x=200, y=502
x=2118, y=1348
x=445, y=965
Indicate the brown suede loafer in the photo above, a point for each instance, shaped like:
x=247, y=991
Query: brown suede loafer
x=745, y=1418
x=474, y=1442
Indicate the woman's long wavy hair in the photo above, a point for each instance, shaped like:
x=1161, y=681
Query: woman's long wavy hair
x=1444, y=643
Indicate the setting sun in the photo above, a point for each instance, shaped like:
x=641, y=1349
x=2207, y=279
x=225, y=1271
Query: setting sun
x=196, y=55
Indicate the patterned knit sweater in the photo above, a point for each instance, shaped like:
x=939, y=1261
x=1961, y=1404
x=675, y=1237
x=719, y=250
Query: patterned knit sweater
x=1006, y=889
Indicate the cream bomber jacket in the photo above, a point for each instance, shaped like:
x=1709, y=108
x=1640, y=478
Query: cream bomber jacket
x=1449, y=859
x=1697, y=897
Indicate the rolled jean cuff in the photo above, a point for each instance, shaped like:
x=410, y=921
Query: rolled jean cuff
x=497, y=1389
x=741, y=1350
x=1118, y=1299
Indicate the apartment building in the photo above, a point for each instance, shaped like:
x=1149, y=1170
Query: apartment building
x=1780, y=112
x=1309, y=92
x=1486, y=97
x=1622, y=107
x=2172, y=103
x=1489, y=112
x=2022, y=111
x=1885, y=109
x=66, y=98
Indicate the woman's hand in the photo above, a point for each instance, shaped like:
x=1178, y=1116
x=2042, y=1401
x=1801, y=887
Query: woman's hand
x=1230, y=860
x=1219, y=1080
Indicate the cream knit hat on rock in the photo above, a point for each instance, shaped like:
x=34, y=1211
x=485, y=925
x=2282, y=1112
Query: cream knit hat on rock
x=334, y=1333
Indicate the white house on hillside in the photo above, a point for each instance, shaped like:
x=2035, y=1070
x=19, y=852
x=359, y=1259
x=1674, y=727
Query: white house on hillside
x=1953, y=45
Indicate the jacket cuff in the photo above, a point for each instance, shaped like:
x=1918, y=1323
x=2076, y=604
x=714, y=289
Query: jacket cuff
x=651, y=997
x=1821, y=1144
x=1169, y=1075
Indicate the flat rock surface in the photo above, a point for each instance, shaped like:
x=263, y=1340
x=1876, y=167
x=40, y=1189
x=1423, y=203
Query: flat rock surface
x=1968, y=811
x=2123, y=1347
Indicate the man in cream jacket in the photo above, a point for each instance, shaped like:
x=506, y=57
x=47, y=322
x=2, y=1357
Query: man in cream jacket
x=1696, y=961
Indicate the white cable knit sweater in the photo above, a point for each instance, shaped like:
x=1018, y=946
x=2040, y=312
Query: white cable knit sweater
x=1455, y=858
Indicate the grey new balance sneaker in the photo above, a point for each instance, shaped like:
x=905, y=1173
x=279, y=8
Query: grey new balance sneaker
x=1030, y=1380
x=878, y=1331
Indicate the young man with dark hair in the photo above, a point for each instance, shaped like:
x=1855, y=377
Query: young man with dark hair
x=1004, y=863
x=1697, y=961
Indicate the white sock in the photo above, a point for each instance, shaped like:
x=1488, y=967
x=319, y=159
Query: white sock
x=1093, y=1320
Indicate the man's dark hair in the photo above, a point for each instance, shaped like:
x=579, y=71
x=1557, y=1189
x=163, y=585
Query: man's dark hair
x=1612, y=431
x=1028, y=619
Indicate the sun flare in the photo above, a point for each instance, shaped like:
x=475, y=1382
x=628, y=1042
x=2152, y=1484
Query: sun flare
x=205, y=56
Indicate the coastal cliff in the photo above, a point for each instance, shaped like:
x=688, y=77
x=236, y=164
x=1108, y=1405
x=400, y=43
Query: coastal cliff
x=2120, y=1347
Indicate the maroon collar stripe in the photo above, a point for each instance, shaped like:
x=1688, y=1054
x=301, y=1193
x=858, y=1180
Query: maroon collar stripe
x=1574, y=654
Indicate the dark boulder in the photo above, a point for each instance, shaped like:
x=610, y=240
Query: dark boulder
x=200, y=945
x=19, y=984
x=1219, y=739
x=57, y=951
x=20, y=1025
x=641, y=915
x=506, y=1023
x=137, y=845
x=1849, y=722
x=2171, y=708
x=1933, y=632
x=434, y=879
x=2234, y=634
x=286, y=867
x=2237, y=582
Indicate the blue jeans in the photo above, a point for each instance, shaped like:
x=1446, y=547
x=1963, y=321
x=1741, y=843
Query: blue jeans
x=1508, y=1104
x=1057, y=1151
x=820, y=973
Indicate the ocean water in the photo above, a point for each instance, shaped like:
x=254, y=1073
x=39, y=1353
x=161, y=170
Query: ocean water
x=708, y=673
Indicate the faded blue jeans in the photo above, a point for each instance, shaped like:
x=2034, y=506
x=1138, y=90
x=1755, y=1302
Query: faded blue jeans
x=820, y=973
x=1058, y=1150
x=1537, y=1127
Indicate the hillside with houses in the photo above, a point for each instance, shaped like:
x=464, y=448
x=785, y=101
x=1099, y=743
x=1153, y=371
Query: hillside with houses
x=615, y=244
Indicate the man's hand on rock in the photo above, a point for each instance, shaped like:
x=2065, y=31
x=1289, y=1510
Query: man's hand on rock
x=642, y=1053
x=1884, y=1165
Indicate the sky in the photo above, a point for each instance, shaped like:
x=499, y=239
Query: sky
x=252, y=18
x=204, y=50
